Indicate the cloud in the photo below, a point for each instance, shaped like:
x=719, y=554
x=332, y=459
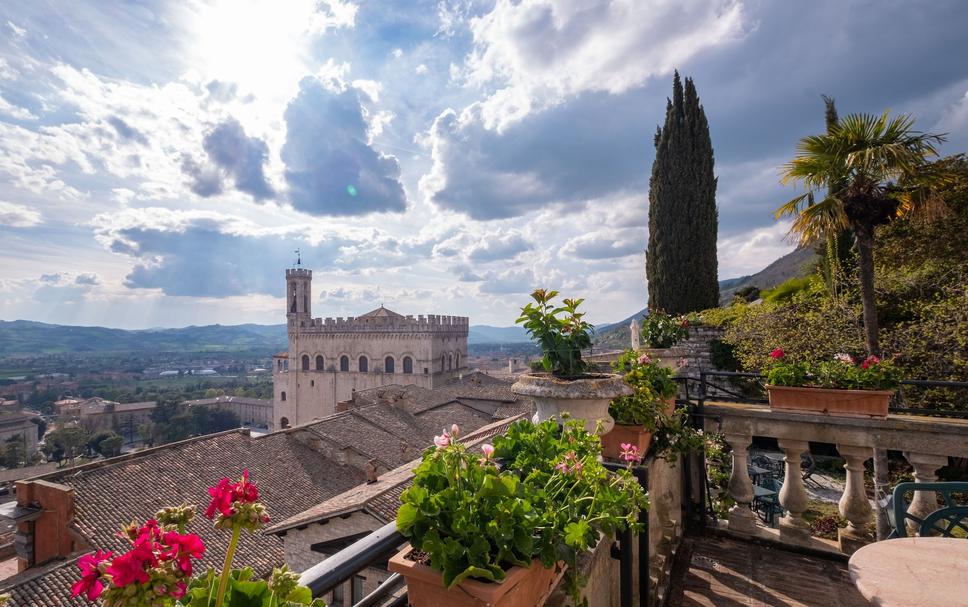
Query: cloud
x=508, y=281
x=18, y=215
x=331, y=168
x=18, y=31
x=87, y=278
x=333, y=14
x=542, y=52
x=240, y=157
x=498, y=246
x=606, y=244
x=126, y=132
x=15, y=111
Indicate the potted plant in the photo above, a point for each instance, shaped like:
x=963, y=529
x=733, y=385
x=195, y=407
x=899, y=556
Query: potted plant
x=648, y=415
x=566, y=385
x=841, y=386
x=661, y=333
x=502, y=527
x=158, y=569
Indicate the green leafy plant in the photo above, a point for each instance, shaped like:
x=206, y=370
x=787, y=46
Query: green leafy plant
x=539, y=492
x=844, y=372
x=560, y=331
x=660, y=330
x=653, y=386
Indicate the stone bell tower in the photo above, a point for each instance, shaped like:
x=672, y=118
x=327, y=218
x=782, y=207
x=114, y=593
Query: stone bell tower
x=299, y=293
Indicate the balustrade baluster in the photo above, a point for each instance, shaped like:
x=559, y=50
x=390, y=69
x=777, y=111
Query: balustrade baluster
x=793, y=495
x=854, y=505
x=924, y=502
x=740, y=485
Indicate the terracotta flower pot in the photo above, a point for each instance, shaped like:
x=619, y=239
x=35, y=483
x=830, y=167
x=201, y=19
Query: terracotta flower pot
x=635, y=435
x=841, y=403
x=585, y=398
x=522, y=587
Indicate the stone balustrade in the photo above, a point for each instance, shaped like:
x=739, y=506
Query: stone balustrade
x=926, y=443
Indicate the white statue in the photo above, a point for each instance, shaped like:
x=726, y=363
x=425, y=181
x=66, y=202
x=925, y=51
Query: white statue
x=636, y=333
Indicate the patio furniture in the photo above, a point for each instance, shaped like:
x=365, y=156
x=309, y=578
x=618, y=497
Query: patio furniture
x=766, y=500
x=925, y=518
x=912, y=572
x=757, y=473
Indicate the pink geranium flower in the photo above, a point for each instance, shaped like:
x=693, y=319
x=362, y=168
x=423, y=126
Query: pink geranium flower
x=443, y=440
x=132, y=566
x=488, y=450
x=630, y=452
x=222, y=498
x=644, y=359
x=869, y=361
x=90, y=583
x=182, y=548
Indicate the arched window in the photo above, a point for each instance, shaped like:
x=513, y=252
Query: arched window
x=364, y=364
x=407, y=365
x=457, y=360
x=284, y=422
x=319, y=362
x=388, y=364
x=305, y=362
x=344, y=363
x=282, y=396
x=450, y=362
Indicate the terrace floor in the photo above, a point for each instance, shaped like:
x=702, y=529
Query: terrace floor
x=716, y=571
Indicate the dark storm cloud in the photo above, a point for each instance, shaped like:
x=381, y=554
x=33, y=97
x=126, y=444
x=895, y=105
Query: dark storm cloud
x=204, y=180
x=761, y=94
x=126, y=131
x=330, y=167
x=241, y=157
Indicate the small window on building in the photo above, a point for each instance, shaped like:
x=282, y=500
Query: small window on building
x=407, y=365
x=284, y=421
x=457, y=360
x=312, y=383
x=388, y=364
x=320, y=362
x=426, y=371
x=356, y=594
x=442, y=363
x=305, y=362
x=337, y=597
x=344, y=363
x=364, y=364
x=450, y=362
x=282, y=396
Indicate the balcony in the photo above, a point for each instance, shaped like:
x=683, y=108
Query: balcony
x=688, y=556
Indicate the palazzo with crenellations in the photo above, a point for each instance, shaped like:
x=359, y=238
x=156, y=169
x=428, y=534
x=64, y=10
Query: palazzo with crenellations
x=328, y=359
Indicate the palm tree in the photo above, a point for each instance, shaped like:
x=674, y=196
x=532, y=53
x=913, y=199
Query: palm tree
x=869, y=170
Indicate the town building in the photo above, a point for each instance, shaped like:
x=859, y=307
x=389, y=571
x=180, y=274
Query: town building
x=16, y=426
x=255, y=412
x=329, y=359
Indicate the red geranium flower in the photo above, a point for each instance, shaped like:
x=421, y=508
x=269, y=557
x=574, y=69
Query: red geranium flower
x=777, y=354
x=870, y=360
x=131, y=566
x=183, y=548
x=245, y=491
x=90, y=582
x=222, y=498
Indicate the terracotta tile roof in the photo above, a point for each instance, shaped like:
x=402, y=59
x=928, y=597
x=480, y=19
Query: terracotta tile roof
x=47, y=586
x=291, y=478
x=382, y=498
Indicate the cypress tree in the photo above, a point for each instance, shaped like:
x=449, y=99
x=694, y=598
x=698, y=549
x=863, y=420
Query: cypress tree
x=681, y=264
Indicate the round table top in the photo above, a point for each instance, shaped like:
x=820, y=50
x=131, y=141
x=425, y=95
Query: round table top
x=913, y=572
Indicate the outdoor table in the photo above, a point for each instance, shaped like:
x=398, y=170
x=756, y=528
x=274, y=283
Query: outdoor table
x=913, y=572
x=756, y=472
x=759, y=492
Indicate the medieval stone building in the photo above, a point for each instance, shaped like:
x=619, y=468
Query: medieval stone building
x=329, y=359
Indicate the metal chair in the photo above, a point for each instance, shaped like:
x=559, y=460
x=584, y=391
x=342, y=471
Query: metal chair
x=951, y=520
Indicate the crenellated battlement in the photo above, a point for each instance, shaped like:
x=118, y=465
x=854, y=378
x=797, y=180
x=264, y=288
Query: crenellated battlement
x=431, y=323
x=299, y=273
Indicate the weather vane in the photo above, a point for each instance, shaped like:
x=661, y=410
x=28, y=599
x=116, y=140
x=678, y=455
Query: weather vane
x=298, y=259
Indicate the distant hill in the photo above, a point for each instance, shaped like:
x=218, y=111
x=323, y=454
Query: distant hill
x=28, y=337
x=795, y=263
x=484, y=334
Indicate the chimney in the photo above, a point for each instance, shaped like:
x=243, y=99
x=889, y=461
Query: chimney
x=370, y=471
x=44, y=511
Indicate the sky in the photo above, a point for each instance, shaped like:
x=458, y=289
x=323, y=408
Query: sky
x=161, y=162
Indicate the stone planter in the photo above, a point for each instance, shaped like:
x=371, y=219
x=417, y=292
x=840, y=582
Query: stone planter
x=522, y=587
x=825, y=401
x=585, y=398
x=635, y=435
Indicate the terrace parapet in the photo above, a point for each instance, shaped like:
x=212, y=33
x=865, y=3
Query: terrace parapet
x=926, y=443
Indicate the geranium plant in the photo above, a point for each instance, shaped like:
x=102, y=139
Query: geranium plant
x=158, y=569
x=842, y=372
x=653, y=385
x=560, y=331
x=660, y=330
x=539, y=492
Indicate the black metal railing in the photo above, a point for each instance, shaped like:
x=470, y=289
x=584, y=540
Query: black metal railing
x=338, y=568
x=377, y=546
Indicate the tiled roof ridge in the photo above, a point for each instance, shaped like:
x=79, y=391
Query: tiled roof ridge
x=32, y=573
x=126, y=457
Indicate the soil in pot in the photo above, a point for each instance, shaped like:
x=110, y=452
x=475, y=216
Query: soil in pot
x=522, y=587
